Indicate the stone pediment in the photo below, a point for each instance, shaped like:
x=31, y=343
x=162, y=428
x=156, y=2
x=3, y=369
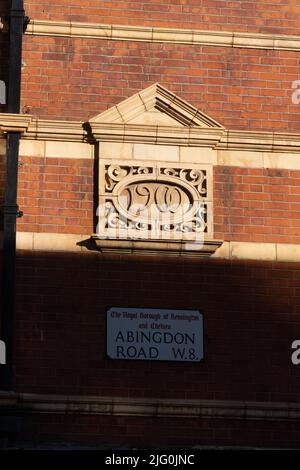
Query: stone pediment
x=154, y=196
x=157, y=106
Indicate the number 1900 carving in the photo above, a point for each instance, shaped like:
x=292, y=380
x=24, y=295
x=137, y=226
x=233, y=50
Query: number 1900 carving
x=154, y=202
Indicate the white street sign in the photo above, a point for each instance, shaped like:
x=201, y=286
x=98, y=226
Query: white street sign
x=155, y=334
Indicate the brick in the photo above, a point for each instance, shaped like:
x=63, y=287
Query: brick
x=245, y=302
x=127, y=58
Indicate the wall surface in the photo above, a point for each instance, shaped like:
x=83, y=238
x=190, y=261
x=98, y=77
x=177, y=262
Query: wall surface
x=62, y=315
x=245, y=392
x=250, y=319
x=241, y=88
x=280, y=16
x=250, y=204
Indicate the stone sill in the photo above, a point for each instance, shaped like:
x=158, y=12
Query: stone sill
x=170, y=408
x=159, y=247
x=8, y=399
x=14, y=122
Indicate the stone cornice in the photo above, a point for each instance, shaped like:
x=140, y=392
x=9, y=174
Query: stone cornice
x=197, y=137
x=264, y=141
x=152, y=134
x=234, y=250
x=71, y=131
x=168, y=35
x=65, y=131
x=150, y=247
x=14, y=122
x=42, y=129
x=217, y=138
x=169, y=408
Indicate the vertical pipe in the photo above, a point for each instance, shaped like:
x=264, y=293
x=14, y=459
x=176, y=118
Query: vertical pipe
x=10, y=209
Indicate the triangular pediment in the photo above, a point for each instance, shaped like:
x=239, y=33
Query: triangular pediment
x=157, y=106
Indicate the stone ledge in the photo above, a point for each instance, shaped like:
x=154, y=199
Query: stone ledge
x=70, y=242
x=14, y=122
x=55, y=130
x=152, y=134
x=117, y=406
x=8, y=399
x=149, y=247
x=164, y=35
x=269, y=149
x=281, y=252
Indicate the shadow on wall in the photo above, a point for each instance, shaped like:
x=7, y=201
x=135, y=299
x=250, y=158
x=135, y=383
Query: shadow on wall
x=250, y=321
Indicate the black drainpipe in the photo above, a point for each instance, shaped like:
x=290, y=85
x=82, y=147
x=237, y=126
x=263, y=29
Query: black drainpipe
x=17, y=24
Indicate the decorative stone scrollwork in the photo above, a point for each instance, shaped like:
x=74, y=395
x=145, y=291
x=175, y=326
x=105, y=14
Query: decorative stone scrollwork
x=154, y=202
x=115, y=173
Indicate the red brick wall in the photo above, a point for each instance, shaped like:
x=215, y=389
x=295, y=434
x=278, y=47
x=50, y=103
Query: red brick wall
x=250, y=314
x=250, y=204
x=250, y=308
x=56, y=195
x=250, y=319
x=242, y=89
x=275, y=16
x=258, y=205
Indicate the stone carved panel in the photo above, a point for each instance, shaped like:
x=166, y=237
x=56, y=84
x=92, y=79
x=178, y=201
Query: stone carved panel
x=154, y=202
